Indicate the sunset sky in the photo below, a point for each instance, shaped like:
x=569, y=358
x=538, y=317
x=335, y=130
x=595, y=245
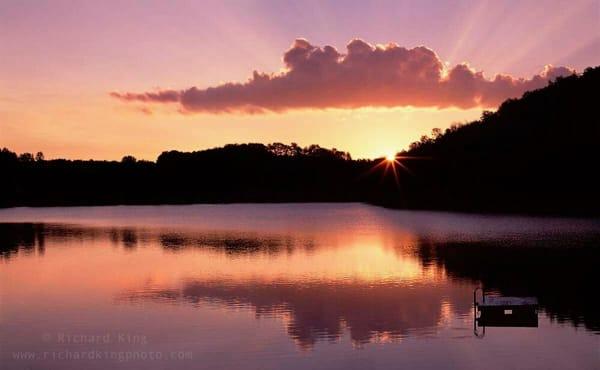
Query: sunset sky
x=83, y=79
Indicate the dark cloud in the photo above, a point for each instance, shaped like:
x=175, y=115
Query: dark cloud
x=364, y=76
x=163, y=96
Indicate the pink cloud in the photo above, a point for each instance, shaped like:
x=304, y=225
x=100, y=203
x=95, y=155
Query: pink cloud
x=364, y=76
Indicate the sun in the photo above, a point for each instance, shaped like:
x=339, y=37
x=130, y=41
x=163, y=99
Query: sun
x=390, y=157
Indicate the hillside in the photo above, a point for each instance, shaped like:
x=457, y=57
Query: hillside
x=536, y=154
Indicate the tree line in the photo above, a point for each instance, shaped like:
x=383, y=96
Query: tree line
x=535, y=154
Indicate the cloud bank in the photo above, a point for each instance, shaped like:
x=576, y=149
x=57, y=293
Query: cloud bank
x=364, y=76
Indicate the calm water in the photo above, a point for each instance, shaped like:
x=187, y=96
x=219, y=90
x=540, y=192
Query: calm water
x=314, y=286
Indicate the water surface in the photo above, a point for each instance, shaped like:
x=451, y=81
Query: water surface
x=318, y=286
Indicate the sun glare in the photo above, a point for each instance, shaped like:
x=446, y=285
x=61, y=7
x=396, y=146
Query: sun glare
x=390, y=157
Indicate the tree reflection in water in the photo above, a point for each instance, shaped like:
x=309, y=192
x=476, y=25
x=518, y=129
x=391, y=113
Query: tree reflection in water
x=317, y=308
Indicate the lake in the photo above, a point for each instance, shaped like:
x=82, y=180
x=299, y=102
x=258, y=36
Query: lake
x=294, y=286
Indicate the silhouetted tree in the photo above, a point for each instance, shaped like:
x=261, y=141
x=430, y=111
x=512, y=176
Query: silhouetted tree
x=26, y=157
x=128, y=159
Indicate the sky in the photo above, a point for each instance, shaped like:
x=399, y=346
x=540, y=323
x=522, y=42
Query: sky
x=83, y=79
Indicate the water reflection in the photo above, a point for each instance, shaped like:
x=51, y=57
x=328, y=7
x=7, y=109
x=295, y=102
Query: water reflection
x=233, y=243
x=21, y=237
x=322, y=310
x=561, y=275
x=319, y=288
x=294, y=286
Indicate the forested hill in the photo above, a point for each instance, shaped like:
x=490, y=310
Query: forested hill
x=536, y=154
x=539, y=152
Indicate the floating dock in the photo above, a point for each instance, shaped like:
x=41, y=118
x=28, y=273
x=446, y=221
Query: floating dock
x=500, y=311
